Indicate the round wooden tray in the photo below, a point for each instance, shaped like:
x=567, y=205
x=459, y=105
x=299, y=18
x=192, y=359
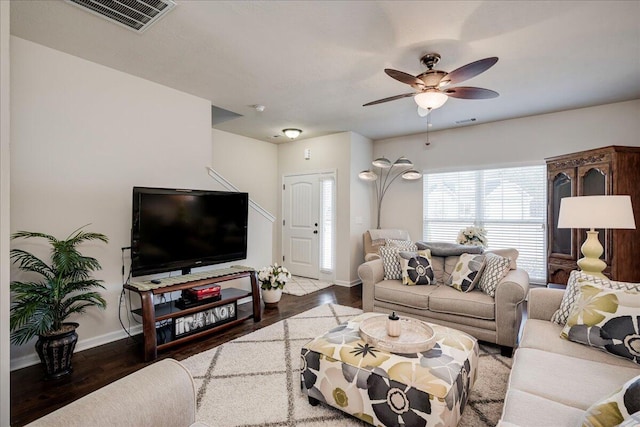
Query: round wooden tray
x=416, y=336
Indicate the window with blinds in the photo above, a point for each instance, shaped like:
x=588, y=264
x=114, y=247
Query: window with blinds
x=510, y=203
x=327, y=186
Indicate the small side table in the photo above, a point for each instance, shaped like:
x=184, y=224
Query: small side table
x=556, y=286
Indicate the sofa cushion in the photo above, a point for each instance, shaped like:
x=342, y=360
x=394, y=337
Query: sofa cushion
x=467, y=272
x=495, y=268
x=445, y=249
x=615, y=408
x=416, y=268
x=544, y=335
x=393, y=291
x=522, y=409
x=445, y=299
x=606, y=319
x=567, y=380
x=573, y=284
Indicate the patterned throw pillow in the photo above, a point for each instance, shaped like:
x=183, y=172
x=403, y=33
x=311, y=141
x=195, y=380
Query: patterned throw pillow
x=619, y=407
x=495, y=268
x=416, y=268
x=606, y=319
x=389, y=255
x=467, y=272
x=576, y=278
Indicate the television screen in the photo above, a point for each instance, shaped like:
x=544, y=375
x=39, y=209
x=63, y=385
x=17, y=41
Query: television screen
x=180, y=229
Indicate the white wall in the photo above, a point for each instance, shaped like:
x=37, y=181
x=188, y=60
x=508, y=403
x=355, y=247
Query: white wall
x=527, y=140
x=82, y=136
x=361, y=199
x=251, y=166
x=5, y=398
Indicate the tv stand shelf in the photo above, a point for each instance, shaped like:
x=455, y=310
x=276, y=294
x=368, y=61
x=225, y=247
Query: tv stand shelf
x=159, y=337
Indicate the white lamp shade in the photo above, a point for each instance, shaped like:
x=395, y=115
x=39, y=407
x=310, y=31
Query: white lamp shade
x=430, y=99
x=368, y=175
x=382, y=162
x=411, y=175
x=596, y=212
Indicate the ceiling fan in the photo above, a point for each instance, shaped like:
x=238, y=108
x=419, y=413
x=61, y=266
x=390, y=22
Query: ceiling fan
x=432, y=86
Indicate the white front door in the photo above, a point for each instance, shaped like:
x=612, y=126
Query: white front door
x=300, y=231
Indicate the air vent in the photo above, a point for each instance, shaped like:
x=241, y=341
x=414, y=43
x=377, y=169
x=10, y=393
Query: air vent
x=136, y=15
x=465, y=121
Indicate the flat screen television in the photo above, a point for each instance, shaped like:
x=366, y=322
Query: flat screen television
x=175, y=229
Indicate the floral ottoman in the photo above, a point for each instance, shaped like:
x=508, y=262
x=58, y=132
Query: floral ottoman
x=390, y=389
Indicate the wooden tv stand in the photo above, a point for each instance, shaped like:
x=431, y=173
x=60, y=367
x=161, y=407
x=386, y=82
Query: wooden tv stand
x=154, y=314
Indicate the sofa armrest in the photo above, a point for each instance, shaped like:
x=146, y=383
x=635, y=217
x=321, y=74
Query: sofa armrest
x=510, y=293
x=371, y=256
x=370, y=273
x=543, y=302
x=161, y=394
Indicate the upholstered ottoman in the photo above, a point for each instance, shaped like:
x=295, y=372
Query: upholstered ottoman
x=389, y=389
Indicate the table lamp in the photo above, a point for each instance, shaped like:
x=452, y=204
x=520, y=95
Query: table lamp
x=593, y=212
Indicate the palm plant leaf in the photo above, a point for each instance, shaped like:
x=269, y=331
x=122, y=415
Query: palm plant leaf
x=29, y=262
x=78, y=303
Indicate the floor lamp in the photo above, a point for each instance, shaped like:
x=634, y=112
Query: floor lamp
x=593, y=212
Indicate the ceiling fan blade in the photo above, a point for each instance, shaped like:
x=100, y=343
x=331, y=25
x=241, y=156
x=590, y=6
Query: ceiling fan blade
x=467, y=71
x=467, y=92
x=391, y=98
x=403, y=77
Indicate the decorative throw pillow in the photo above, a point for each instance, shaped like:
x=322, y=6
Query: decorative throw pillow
x=466, y=273
x=389, y=255
x=495, y=268
x=616, y=409
x=416, y=268
x=606, y=319
x=576, y=278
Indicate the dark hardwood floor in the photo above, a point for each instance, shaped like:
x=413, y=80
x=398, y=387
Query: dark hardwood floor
x=32, y=397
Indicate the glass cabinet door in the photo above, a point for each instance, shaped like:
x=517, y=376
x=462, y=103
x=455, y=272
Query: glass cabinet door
x=560, y=239
x=593, y=180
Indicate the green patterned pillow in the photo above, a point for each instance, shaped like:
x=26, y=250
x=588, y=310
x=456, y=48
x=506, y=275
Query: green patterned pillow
x=416, y=268
x=466, y=273
x=606, y=319
x=576, y=278
x=616, y=409
x=496, y=267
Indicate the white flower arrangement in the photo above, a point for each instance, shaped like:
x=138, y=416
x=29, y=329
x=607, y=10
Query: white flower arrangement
x=473, y=236
x=273, y=277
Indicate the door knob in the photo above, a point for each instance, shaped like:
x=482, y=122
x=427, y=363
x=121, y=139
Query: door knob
x=315, y=231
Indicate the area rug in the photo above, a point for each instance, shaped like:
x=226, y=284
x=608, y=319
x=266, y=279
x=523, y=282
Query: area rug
x=299, y=286
x=254, y=380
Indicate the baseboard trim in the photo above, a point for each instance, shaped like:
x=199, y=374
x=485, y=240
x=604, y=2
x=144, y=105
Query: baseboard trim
x=33, y=359
x=347, y=284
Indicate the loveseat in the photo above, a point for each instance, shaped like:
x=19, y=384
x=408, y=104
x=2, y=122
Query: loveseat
x=161, y=394
x=555, y=381
x=492, y=319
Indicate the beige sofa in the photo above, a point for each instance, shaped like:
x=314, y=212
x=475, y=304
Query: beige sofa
x=496, y=320
x=554, y=381
x=161, y=394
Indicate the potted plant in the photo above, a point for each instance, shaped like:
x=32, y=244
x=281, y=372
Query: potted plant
x=272, y=280
x=41, y=306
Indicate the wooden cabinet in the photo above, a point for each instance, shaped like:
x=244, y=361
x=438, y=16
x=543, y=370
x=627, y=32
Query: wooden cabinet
x=158, y=328
x=607, y=170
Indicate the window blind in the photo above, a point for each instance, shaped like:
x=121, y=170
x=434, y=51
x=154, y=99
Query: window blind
x=510, y=203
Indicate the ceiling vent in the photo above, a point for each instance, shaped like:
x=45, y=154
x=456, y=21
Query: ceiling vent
x=136, y=15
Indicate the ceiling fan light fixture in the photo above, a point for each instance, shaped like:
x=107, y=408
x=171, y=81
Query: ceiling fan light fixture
x=444, y=82
x=368, y=175
x=292, y=133
x=382, y=162
x=430, y=100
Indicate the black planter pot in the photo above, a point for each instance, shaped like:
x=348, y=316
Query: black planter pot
x=55, y=352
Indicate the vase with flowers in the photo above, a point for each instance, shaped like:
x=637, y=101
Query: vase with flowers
x=473, y=236
x=272, y=280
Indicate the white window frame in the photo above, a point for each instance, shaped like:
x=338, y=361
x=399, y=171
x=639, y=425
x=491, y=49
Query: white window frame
x=475, y=212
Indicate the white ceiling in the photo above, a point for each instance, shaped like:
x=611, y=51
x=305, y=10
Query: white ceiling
x=314, y=63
